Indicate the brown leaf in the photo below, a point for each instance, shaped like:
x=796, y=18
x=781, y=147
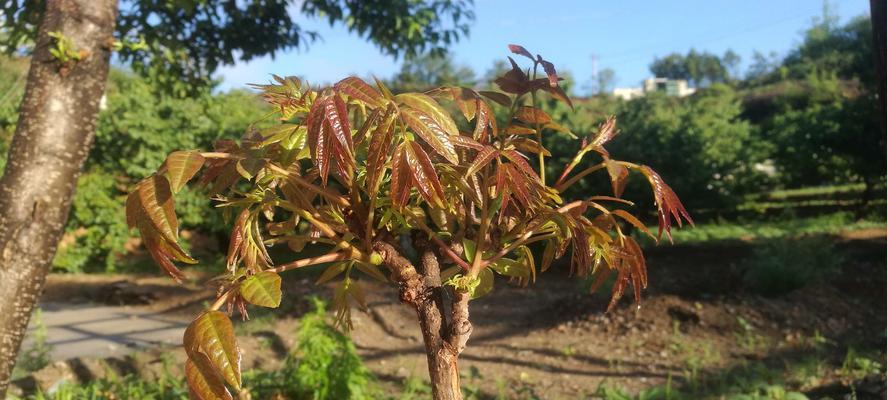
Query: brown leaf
x=532, y=115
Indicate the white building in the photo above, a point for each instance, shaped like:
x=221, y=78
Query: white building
x=671, y=87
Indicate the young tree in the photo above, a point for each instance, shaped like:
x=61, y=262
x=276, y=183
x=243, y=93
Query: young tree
x=179, y=46
x=375, y=177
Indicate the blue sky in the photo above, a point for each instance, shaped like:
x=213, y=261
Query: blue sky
x=625, y=35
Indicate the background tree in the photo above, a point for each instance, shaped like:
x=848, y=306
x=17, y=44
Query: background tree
x=389, y=181
x=178, y=47
x=430, y=70
x=606, y=79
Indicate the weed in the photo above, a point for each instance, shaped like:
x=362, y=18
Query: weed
x=38, y=354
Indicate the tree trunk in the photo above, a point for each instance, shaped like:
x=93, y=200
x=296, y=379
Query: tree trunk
x=879, y=33
x=52, y=140
x=444, y=338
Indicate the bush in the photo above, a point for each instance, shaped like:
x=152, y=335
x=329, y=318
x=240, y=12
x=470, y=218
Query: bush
x=324, y=365
x=780, y=266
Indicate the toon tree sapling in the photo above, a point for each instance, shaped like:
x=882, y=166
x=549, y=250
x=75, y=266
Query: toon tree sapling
x=373, y=176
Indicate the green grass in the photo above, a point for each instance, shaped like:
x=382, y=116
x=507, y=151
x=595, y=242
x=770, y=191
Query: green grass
x=782, y=227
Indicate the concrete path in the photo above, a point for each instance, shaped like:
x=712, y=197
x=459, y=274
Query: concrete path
x=99, y=331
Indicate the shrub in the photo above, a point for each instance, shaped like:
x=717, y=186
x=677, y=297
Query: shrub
x=780, y=266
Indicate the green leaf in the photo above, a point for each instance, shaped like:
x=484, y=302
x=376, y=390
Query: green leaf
x=204, y=383
x=181, y=166
x=431, y=132
x=469, y=247
x=212, y=334
x=262, y=289
x=485, y=285
x=331, y=272
x=509, y=267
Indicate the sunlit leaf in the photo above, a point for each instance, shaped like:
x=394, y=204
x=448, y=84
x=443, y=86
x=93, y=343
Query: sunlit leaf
x=481, y=160
x=213, y=334
x=204, y=382
x=428, y=106
x=431, y=132
x=359, y=90
x=181, y=166
x=262, y=289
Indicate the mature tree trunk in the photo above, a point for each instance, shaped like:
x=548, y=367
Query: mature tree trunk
x=444, y=338
x=879, y=32
x=55, y=129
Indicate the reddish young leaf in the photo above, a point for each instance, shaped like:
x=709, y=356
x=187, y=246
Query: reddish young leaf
x=400, y=178
x=500, y=98
x=517, y=49
x=424, y=176
x=667, y=202
x=618, y=176
x=380, y=143
x=550, y=71
x=361, y=91
x=481, y=160
x=431, y=132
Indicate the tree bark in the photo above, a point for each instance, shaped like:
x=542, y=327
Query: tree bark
x=879, y=33
x=56, y=125
x=424, y=292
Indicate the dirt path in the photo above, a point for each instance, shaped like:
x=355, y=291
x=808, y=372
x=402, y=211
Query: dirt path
x=80, y=330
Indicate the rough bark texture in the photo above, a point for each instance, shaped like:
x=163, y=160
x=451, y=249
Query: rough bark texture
x=425, y=293
x=52, y=140
x=879, y=31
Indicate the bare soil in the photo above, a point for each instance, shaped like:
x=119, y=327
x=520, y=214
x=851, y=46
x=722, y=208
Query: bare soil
x=697, y=322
